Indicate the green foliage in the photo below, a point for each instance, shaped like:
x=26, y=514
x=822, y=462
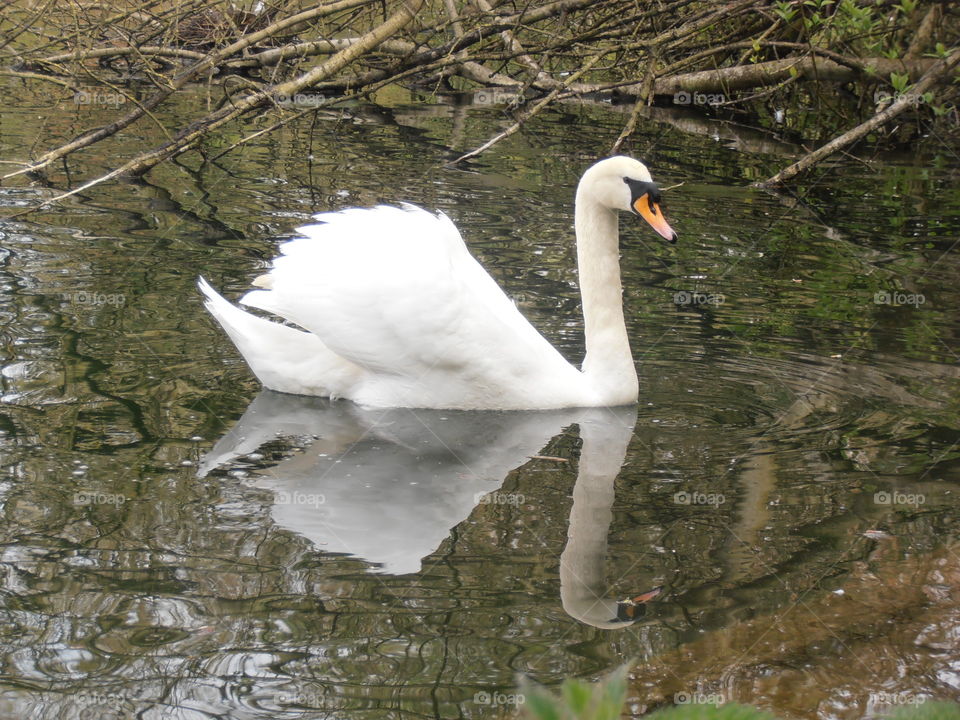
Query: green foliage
x=900, y=81
x=906, y=7
x=785, y=10
x=606, y=700
x=939, y=51
x=579, y=700
x=854, y=27
x=927, y=711
x=729, y=711
x=856, y=17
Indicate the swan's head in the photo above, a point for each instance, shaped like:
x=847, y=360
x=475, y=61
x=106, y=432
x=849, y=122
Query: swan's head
x=622, y=183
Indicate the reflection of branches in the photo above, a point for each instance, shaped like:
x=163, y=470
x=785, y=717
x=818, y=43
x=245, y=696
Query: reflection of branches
x=526, y=116
x=25, y=25
x=176, y=83
x=193, y=133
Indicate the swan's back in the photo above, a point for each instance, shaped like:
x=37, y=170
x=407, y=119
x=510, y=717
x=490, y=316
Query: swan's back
x=407, y=317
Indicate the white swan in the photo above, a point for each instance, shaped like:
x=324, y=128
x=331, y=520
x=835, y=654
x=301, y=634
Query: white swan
x=396, y=312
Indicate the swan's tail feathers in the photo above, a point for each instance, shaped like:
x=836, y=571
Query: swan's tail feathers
x=283, y=358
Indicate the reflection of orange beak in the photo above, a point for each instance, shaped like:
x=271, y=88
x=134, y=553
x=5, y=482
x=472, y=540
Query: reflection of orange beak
x=648, y=595
x=650, y=212
x=633, y=608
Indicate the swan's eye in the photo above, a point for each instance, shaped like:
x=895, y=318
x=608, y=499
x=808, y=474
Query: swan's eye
x=639, y=188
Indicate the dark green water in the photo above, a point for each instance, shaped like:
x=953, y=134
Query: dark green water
x=343, y=563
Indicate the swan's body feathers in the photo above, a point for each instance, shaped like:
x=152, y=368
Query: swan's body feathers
x=283, y=358
x=414, y=320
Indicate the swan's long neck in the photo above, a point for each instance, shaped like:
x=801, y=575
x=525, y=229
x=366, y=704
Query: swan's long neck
x=608, y=366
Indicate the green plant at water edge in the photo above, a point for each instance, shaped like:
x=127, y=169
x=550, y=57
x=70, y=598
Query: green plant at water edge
x=927, y=711
x=922, y=711
x=607, y=699
x=578, y=699
x=730, y=711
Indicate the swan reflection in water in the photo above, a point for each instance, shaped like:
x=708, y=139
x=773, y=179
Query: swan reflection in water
x=387, y=486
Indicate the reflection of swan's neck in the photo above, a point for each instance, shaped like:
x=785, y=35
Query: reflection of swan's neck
x=608, y=365
x=582, y=563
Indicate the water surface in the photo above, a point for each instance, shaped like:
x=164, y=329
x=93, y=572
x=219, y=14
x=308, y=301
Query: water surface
x=180, y=545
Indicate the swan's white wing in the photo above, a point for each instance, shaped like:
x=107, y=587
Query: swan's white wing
x=283, y=358
x=396, y=292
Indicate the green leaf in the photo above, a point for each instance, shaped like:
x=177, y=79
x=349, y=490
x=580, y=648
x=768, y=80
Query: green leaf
x=899, y=81
x=540, y=705
x=615, y=686
x=906, y=6
x=577, y=695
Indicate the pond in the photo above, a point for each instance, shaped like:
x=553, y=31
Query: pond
x=177, y=543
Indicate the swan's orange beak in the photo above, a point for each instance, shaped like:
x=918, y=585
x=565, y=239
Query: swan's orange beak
x=650, y=211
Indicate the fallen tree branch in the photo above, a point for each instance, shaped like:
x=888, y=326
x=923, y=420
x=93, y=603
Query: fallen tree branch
x=643, y=50
x=630, y=126
x=37, y=76
x=190, y=135
x=108, y=52
x=742, y=77
x=191, y=73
